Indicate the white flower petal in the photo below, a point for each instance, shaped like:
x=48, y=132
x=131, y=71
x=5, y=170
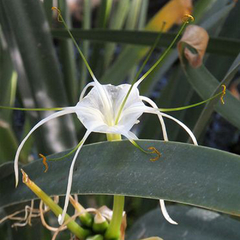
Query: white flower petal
x=183, y=126
x=190, y=133
x=103, y=96
x=165, y=213
x=129, y=116
x=67, y=110
x=91, y=84
x=130, y=135
x=153, y=104
x=70, y=177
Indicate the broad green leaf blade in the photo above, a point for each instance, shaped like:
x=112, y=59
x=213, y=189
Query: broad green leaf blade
x=194, y=223
x=209, y=108
x=200, y=9
x=184, y=173
x=229, y=29
x=220, y=45
x=205, y=84
x=216, y=16
x=40, y=82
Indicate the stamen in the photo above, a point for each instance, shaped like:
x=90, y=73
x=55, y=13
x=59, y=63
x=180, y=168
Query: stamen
x=154, y=150
x=31, y=109
x=139, y=72
x=60, y=19
x=187, y=18
x=58, y=14
x=66, y=155
x=44, y=161
x=223, y=93
x=137, y=146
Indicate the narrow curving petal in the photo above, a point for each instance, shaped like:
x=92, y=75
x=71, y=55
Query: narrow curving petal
x=136, y=84
x=165, y=137
x=165, y=213
x=67, y=110
x=130, y=136
x=91, y=84
x=153, y=104
x=70, y=177
x=190, y=133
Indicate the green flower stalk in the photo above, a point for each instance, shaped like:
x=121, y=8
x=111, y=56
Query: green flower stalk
x=56, y=209
x=118, y=205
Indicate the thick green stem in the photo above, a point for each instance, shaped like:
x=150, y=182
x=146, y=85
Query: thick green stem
x=113, y=230
x=56, y=209
x=115, y=224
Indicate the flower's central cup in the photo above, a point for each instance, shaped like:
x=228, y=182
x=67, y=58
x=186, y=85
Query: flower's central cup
x=99, y=109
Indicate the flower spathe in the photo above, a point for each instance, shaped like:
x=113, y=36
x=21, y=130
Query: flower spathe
x=98, y=111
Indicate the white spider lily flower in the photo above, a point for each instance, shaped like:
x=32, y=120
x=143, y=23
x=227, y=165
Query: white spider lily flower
x=98, y=111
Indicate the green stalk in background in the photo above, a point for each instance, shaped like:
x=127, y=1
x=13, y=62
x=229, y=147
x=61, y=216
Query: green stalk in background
x=85, y=44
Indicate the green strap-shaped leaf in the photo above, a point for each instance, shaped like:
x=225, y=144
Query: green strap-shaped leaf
x=184, y=173
x=205, y=84
x=194, y=223
x=223, y=46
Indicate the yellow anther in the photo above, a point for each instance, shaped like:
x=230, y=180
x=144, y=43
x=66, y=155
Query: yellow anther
x=154, y=150
x=59, y=13
x=223, y=93
x=44, y=161
x=187, y=18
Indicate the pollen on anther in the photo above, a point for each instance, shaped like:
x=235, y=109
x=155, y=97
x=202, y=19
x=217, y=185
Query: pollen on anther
x=187, y=18
x=58, y=13
x=44, y=161
x=223, y=93
x=154, y=150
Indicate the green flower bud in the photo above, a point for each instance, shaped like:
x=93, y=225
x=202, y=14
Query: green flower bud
x=100, y=223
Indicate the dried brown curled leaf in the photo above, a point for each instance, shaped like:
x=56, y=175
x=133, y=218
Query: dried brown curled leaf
x=234, y=89
x=197, y=38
